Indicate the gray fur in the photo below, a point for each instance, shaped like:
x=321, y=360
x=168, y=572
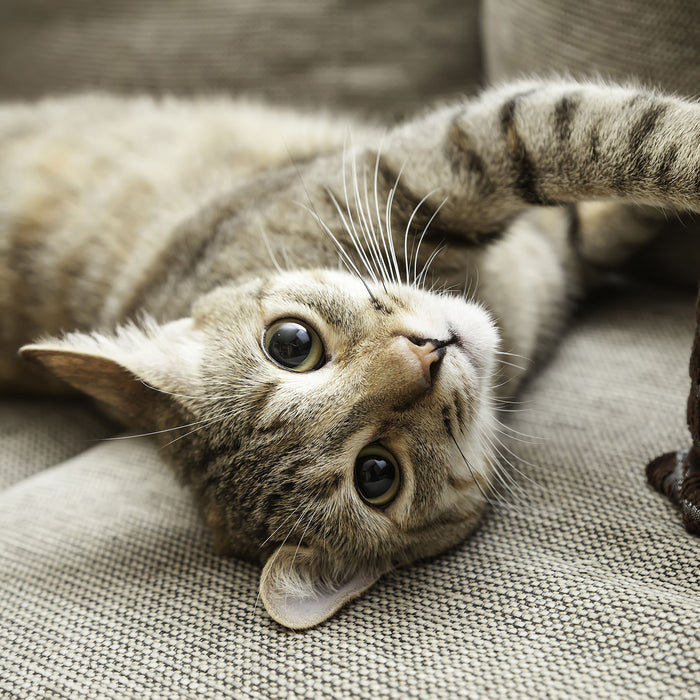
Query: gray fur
x=92, y=237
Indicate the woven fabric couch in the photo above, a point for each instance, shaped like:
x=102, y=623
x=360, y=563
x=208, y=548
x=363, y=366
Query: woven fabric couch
x=582, y=584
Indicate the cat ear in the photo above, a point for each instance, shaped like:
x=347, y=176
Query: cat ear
x=134, y=370
x=293, y=593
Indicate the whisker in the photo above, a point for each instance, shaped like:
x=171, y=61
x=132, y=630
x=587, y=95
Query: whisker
x=511, y=364
x=223, y=415
x=514, y=354
x=511, y=488
x=373, y=234
x=269, y=250
x=382, y=234
x=312, y=210
x=422, y=236
x=353, y=239
x=407, y=232
x=469, y=294
x=534, y=438
x=510, y=464
x=520, y=459
x=389, y=206
x=424, y=271
x=354, y=236
x=155, y=432
x=278, y=550
x=346, y=258
x=516, y=490
x=319, y=506
x=509, y=436
x=364, y=220
x=469, y=466
x=272, y=534
x=226, y=397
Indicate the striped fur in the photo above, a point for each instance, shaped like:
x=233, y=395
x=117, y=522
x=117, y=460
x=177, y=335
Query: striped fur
x=231, y=216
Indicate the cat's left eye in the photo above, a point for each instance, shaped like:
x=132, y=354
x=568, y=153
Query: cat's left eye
x=377, y=476
x=294, y=345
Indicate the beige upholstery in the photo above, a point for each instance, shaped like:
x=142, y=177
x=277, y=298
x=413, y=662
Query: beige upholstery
x=384, y=57
x=586, y=585
x=650, y=41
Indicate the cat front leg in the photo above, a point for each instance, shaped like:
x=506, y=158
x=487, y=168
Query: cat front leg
x=546, y=144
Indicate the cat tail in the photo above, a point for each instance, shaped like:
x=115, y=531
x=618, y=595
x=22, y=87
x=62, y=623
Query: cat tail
x=544, y=143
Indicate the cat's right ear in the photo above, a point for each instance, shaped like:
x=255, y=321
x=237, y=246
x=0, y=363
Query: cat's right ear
x=135, y=371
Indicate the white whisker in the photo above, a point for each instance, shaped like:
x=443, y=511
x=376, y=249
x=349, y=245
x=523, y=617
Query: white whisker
x=346, y=258
x=355, y=242
x=364, y=222
x=429, y=262
x=353, y=234
x=511, y=364
x=372, y=234
x=407, y=232
x=218, y=418
x=382, y=234
x=420, y=240
x=274, y=532
x=392, y=249
x=269, y=250
x=533, y=438
x=279, y=549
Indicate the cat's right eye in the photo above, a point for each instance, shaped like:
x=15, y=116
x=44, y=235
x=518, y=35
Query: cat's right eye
x=377, y=476
x=294, y=345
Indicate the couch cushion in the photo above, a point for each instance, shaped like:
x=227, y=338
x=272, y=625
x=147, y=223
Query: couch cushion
x=385, y=56
x=38, y=433
x=643, y=40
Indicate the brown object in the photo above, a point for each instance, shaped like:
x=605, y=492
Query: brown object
x=677, y=474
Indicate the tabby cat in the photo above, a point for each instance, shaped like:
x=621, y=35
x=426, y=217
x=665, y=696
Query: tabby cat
x=179, y=261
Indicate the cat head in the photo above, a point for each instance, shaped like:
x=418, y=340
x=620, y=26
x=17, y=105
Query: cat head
x=331, y=428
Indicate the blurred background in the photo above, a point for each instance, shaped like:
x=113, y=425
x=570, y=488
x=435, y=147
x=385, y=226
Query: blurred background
x=379, y=57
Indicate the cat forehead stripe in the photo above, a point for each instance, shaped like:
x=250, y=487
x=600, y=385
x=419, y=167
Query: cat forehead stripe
x=333, y=313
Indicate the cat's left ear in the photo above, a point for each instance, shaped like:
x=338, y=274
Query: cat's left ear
x=296, y=596
x=136, y=370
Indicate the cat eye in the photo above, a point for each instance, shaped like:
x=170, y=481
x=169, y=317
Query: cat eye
x=377, y=475
x=294, y=345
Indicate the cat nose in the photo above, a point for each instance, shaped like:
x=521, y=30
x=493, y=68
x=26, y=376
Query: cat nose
x=425, y=355
x=429, y=354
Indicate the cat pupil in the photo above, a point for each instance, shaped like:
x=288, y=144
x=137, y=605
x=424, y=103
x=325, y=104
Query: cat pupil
x=291, y=344
x=376, y=475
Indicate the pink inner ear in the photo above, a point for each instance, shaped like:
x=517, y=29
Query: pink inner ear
x=294, y=599
x=100, y=377
x=308, y=611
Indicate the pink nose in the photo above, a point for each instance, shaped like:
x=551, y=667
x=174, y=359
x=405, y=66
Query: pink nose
x=423, y=355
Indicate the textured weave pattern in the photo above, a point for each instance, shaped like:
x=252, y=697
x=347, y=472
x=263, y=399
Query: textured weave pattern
x=384, y=56
x=648, y=40
x=588, y=587
x=65, y=428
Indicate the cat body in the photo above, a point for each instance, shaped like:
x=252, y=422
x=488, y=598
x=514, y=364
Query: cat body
x=332, y=424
